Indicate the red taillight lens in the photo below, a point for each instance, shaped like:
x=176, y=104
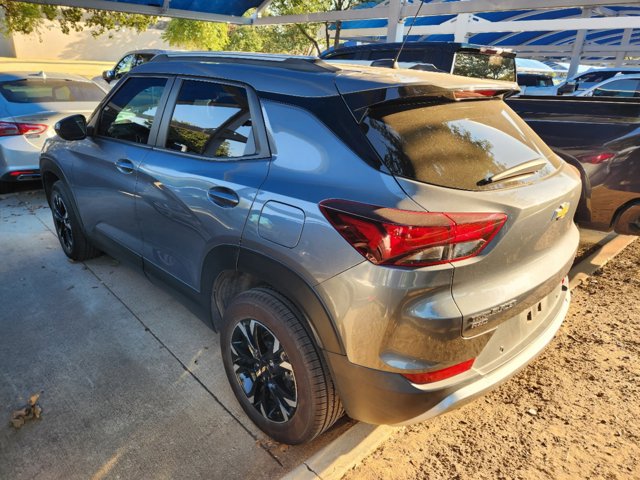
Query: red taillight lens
x=387, y=236
x=464, y=94
x=437, y=375
x=597, y=157
x=10, y=128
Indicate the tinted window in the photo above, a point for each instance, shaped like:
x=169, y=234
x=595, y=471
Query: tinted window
x=482, y=65
x=212, y=120
x=130, y=112
x=124, y=65
x=37, y=90
x=619, y=88
x=456, y=144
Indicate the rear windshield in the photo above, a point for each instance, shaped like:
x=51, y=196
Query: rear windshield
x=38, y=90
x=455, y=144
x=482, y=65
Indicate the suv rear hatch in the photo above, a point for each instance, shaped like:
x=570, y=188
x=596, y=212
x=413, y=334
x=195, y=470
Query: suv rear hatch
x=462, y=150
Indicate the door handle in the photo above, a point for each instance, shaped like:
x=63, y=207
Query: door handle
x=224, y=197
x=125, y=166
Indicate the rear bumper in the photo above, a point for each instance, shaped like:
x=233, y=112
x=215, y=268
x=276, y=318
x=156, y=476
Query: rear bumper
x=377, y=397
x=16, y=155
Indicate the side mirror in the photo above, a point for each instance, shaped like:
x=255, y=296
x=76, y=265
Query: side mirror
x=72, y=128
x=108, y=76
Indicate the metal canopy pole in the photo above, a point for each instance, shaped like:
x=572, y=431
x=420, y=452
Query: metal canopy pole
x=395, y=23
x=624, y=43
x=578, y=45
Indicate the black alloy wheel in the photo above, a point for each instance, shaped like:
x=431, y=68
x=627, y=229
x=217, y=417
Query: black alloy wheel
x=275, y=369
x=72, y=238
x=61, y=221
x=263, y=370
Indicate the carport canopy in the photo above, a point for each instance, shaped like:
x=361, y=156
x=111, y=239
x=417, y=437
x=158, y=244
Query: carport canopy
x=591, y=30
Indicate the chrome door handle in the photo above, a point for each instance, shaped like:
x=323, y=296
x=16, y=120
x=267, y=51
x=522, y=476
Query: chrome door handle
x=224, y=197
x=125, y=166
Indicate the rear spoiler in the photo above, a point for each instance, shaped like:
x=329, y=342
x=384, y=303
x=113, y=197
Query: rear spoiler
x=360, y=102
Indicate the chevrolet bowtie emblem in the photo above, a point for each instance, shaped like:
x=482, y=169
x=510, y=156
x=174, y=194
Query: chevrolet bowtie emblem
x=561, y=211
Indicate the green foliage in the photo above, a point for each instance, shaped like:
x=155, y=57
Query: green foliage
x=197, y=35
x=28, y=18
x=306, y=38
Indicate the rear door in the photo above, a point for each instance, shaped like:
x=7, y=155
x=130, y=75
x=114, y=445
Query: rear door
x=196, y=188
x=106, y=164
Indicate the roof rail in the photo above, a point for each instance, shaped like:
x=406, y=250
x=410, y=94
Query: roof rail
x=289, y=62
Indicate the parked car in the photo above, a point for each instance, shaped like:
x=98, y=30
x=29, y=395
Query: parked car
x=30, y=104
x=600, y=136
x=458, y=58
x=536, y=84
x=622, y=86
x=130, y=60
x=315, y=217
x=591, y=78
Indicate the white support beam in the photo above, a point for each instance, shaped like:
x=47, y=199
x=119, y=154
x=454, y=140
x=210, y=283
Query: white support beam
x=624, y=44
x=261, y=8
x=578, y=45
x=437, y=8
x=608, y=50
x=462, y=27
x=395, y=23
x=599, y=23
x=146, y=10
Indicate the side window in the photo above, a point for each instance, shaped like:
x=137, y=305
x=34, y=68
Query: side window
x=130, y=112
x=211, y=119
x=124, y=65
x=619, y=88
x=142, y=58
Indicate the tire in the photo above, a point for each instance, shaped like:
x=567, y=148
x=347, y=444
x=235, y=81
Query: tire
x=72, y=239
x=291, y=396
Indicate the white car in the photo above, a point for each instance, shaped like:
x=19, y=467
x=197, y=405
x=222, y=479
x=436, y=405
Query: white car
x=30, y=105
x=586, y=80
x=621, y=86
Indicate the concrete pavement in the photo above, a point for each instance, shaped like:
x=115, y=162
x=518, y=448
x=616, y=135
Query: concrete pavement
x=133, y=385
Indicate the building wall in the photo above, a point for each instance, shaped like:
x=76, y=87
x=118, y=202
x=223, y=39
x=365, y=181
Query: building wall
x=52, y=44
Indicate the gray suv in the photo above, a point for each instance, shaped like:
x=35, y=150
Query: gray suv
x=387, y=243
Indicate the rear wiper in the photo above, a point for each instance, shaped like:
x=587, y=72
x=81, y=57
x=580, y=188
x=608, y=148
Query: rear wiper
x=520, y=170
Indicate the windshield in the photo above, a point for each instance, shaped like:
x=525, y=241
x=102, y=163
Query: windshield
x=482, y=65
x=455, y=144
x=39, y=90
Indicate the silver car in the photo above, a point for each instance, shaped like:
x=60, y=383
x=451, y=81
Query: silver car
x=30, y=104
x=389, y=243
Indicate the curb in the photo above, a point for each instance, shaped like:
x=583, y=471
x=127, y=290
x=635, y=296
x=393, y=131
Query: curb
x=334, y=460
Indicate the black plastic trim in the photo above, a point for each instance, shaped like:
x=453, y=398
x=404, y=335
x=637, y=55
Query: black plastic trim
x=294, y=288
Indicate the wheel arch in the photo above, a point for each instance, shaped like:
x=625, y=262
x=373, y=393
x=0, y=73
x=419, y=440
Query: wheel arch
x=225, y=279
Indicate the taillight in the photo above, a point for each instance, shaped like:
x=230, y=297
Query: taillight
x=388, y=236
x=437, y=375
x=466, y=94
x=10, y=128
x=597, y=158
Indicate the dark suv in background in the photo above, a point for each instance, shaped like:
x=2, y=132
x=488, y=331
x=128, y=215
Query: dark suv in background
x=389, y=243
x=457, y=58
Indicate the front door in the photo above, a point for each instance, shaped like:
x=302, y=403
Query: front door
x=197, y=186
x=106, y=164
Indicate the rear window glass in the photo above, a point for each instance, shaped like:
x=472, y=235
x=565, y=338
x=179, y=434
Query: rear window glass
x=455, y=144
x=38, y=90
x=482, y=65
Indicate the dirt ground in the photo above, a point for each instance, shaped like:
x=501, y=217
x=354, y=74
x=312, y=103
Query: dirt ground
x=574, y=413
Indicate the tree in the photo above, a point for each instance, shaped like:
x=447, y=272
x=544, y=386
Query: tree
x=28, y=18
x=194, y=34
